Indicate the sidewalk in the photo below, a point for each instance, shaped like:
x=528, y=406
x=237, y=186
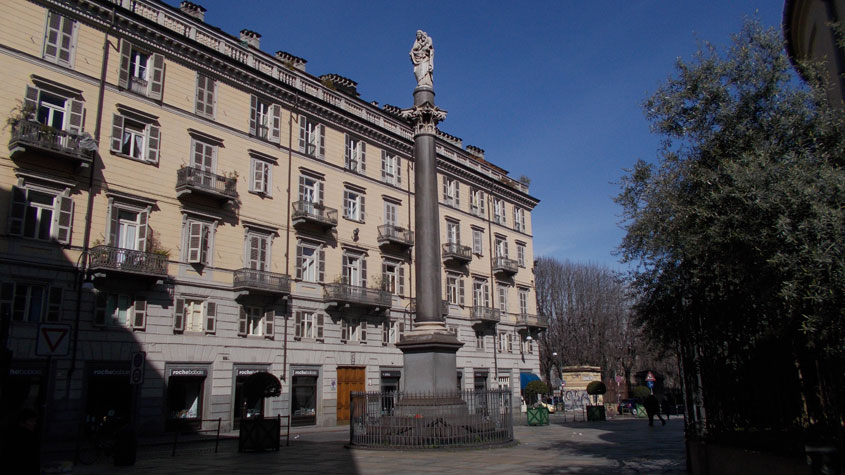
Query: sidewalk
x=616, y=446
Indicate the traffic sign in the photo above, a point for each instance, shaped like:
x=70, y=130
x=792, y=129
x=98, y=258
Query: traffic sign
x=619, y=379
x=650, y=384
x=650, y=377
x=53, y=339
x=136, y=367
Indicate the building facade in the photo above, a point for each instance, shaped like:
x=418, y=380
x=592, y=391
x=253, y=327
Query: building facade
x=809, y=28
x=175, y=191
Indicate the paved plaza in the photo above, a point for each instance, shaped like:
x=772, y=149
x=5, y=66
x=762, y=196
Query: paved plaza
x=613, y=447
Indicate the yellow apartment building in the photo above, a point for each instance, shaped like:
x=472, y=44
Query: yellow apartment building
x=185, y=210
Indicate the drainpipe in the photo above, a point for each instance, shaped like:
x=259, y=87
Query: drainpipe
x=90, y=206
x=287, y=231
x=492, y=279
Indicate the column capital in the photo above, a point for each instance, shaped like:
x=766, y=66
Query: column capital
x=424, y=117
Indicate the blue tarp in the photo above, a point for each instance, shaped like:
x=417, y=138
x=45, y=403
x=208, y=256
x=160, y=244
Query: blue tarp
x=525, y=378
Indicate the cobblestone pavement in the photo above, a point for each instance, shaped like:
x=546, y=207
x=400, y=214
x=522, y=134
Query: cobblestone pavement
x=618, y=446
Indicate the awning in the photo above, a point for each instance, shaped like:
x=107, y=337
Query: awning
x=262, y=384
x=525, y=378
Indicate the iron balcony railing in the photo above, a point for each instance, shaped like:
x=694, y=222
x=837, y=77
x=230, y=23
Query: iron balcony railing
x=128, y=260
x=353, y=294
x=444, y=306
x=253, y=279
x=389, y=233
x=43, y=138
x=452, y=250
x=486, y=314
x=306, y=211
x=195, y=179
x=505, y=265
x=530, y=320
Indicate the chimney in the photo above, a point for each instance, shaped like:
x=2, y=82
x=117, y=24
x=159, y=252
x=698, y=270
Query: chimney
x=193, y=10
x=292, y=61
x=475, y=151
x=340, y=83
x=251, y=38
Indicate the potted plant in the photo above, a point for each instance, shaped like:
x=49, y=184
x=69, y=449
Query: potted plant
x=536, y=413
x=596, y=412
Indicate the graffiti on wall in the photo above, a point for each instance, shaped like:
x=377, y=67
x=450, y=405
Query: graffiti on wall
x=576, y=399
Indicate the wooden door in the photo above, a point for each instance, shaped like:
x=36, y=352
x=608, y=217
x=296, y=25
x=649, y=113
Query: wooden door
x=348, y=379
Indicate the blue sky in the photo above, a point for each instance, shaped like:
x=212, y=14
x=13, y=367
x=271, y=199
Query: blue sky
x=552, y=90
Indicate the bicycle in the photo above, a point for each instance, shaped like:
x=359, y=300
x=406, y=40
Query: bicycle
x=97, y=437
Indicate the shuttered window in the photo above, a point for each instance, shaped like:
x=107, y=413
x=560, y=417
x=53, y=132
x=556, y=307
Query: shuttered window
x=356, y=155
x=135, y=139
x=312, y=137
x=199, y=236
x=41, y=214
x=261, y=176
x=206, y=102
x=141, y=72
x=60, y=39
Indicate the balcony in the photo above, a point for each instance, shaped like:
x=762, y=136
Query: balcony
x=128, y=261
x=526, y=321
x=503, y=265
x=306, y=212
x=486, y=315
x=454, y=251
x=391, y=234
x=248, y=281
x=342, y=295
x=194, y=180
x=444, y=307
x=33, y=136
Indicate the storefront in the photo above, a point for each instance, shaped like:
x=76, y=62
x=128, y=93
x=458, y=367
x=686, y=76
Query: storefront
x=108, y=393
x=25, y=388
x=185, y=396
x=389, y=387
x=242, y=406
x=303, y=400
x=480, y=379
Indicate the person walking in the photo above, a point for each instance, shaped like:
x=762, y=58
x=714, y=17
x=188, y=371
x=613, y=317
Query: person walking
x=652, y=407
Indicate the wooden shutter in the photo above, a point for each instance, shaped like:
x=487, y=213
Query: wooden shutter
x=344, y=330
x=17, y=213
x=125, y=53
x=321, y=265
x=64, y=219
x=253, y=115
x=321, y=148
x=143, y=229
x=195, y=241
x=362, y=210
x=7, y=295
x=139, y=318
x=157, y=81
x=398, y=171
x=210, y=317
x=362, y=156
x=383, y=165
x=303, y=124
x=53, y=36
x=179, y=315
x=269, y=320
x=297, y=324
x=30, y=101
x=54, y=307
x=457, y=194
x=153, y=143
x=445, y=188
x=319, y=317
x=114, y=224
x=363, y=330
x=75, y=109
x=401, y=290
x=385, y=332
x=116, y=133
x=100, y=309
x=320, y=191
x=347, y=162
x=363, y=271
x=301, y=188
x=299, y=260
x=276, y=123
x=461, y=291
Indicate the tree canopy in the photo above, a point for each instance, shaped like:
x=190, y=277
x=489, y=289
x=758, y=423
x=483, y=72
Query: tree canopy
x=737, y=235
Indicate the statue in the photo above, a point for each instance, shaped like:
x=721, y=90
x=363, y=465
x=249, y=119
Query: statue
x=422, y=55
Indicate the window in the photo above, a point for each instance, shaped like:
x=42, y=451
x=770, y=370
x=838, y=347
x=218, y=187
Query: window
x=310, y=190
x=453, y=232
x=310, y=262
x=140, y=71
x=41, y=213
x=480, y=293
x=30, y=302
x=353, y=205
x=451, y=192
x=510, y=342
x=519, y=219
x=454, y=289
x=195, y=316
x=502, y=337
x=501, y=247
x=206, y=96
x=261, y=176
x=477, y=241
x=390, y=213
x=198, y=241
x=479, y=340
x=356, y=156
x=256, y=321
x=312, y=137
x=393, y=277
x=523, y=301
x=354, y=270
x=60, y=39
x=203, y=156
x=55, y=110
x=308, y=325
x=120, y=310
x=499, y=211
x=391, y=168
x=520, y=254
x=353, y=329
x=503, y=296
x=135, y=139
x=265, y=119
x=392, y=331
x=257, y=251
x=477, y=203
x=128, y=226
x=527, y=346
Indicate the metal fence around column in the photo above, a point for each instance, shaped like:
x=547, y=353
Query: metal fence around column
x=411, y=420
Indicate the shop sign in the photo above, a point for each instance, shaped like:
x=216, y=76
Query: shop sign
x=188, y=372
x=26, y=372
x=249, y=372
x=306, y=372
x=110, y=372
x=391, y=374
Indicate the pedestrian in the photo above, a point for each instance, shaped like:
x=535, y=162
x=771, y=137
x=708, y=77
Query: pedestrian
x=22, y=448
x=652, y=407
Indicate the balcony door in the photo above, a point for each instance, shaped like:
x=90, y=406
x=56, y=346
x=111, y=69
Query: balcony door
x=127, y=230
x=203, y=160
x=352, y=270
